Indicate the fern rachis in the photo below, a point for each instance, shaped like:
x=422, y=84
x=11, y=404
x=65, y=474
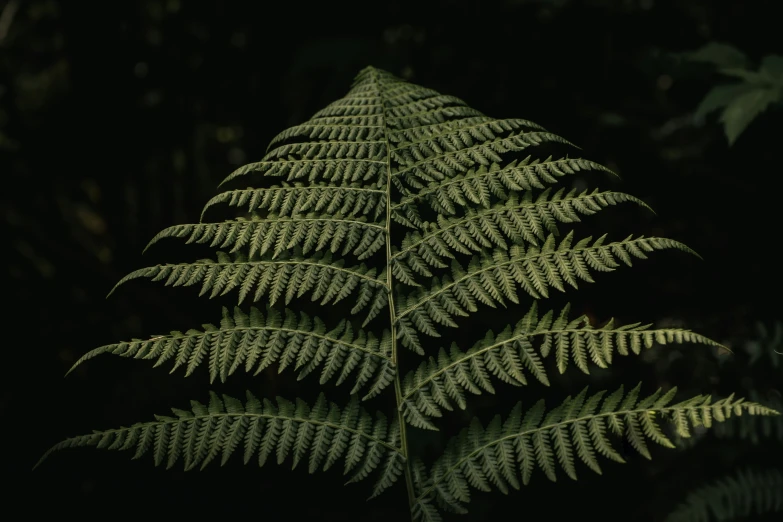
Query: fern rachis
x=436, y=189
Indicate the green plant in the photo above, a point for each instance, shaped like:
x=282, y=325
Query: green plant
x=733, y=497
x=742, y=101
x=762, y=381
x=755, y=369
x=758, y=490
x=402, y=181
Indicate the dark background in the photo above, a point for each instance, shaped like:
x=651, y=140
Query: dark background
x=118, y=119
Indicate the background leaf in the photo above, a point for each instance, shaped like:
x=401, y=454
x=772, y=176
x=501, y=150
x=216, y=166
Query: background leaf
x=772, y=66
x=721, y=54
x=719, y=96
x=743, y=109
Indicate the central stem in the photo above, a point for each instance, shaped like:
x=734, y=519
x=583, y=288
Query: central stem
x=392, y=313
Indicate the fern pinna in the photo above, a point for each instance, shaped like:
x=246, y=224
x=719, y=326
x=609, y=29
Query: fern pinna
x=733, y=497
x=460, y=220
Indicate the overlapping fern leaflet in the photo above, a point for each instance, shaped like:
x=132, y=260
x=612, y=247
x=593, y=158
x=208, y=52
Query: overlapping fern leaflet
x=255, y=342
x=492, y=278
x=401, y=200
x=505, y=454
x=291, y=199
x=735, y=497
x=319, y=436
x=755, y=430
x=510, y=356
x=289, y=276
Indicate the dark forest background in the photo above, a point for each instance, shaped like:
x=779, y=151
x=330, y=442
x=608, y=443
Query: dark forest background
x=118, y=119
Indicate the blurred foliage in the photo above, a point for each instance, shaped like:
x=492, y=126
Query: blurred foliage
x=742, y=101
x=118, y=119
x=736, y=496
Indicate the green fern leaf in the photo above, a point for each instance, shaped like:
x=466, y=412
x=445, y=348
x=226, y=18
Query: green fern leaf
x=438, y=383
x=414, y=139
x=515, y=220
x=337, y=172
x=280, y=428
x=734, y=497
x=473, y=457
x=446, y=164
x=279, y=234
x=396, y=169
x=288, y=200
x=535, y=269
x=255, y=342
x=473, y=187
x=754, y=430
x=283, y=278
x=331, y=132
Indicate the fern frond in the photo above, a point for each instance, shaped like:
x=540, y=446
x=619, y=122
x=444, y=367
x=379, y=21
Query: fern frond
x=392, y=467
x=396, y=91
x=524, y=220
x=366, y=80
x=342, y=109
x=491, y=280
x=439, y=383
x=578, y=429
x=391, y=153
x=424, y=142
x=360, y=120
x=578, y=340
x=447, y=164
x=734, y=497
x=476, y=185
x=254, y=342
x=320, y=436
x=336, y=172
x=406, y=106
x=331, y=132
x=755, y=430
x=428, y=131
x=279, y=279
x=289, y=200
x=311, y=232
x=423, y=510
x=432, y=117
x=399, y=100
x=329, y=150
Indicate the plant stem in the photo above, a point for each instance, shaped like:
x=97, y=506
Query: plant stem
x=393, y=318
